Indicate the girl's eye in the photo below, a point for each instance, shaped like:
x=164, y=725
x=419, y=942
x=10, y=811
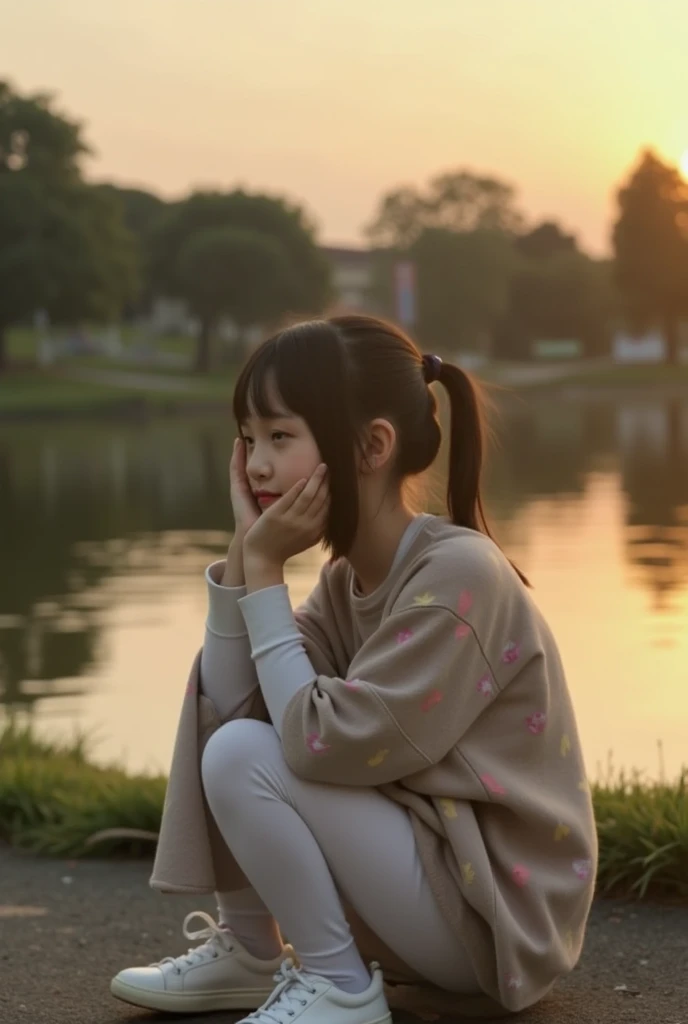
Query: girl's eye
x=247, y=440
x=279, y=435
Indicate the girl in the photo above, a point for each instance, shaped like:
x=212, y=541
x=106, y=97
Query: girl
x=394, y=768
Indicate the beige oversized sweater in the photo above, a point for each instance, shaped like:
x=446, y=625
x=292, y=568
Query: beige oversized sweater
x=445, y=690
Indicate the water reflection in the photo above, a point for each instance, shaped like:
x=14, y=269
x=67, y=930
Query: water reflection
x=105, y=528
x=79, y=506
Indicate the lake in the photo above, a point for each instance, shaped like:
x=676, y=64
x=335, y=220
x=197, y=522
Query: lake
x=106, y=528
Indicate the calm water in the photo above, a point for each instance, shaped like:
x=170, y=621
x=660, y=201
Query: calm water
x=105, y=530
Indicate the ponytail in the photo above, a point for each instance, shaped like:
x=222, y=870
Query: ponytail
x=466, y=451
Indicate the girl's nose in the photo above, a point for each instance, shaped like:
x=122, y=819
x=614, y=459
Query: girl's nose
x=256, y=467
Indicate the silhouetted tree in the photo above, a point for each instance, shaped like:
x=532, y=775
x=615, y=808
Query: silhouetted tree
x=651, y=248
x=63, y=245
x=456, y=201
x=272, y=218
x=230, y=272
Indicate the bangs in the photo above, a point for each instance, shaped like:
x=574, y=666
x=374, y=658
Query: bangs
x=286, y=375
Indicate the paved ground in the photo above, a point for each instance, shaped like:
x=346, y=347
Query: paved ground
x=66, y=928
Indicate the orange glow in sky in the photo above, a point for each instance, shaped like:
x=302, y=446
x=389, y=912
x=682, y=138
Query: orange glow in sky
x=332, y=102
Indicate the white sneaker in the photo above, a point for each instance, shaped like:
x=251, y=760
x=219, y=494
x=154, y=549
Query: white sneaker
x=218, y=975
x=304, y=998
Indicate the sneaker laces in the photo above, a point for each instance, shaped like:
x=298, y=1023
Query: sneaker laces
x=214, y=936
x=288, y=997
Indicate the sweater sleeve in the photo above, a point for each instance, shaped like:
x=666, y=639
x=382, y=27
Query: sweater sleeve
x=228, y=675
x=413, y=689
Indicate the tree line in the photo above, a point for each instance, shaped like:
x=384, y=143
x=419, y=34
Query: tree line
x=97, y=253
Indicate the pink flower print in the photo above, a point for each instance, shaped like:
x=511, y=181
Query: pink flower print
x=191, y=688
x=511, y=653
x=536, y=722
x=465, y=604
x=485, y=686
x=403, y=635
x=431, y=700
x=352, y=684
x=582, y=869
x=512, y=981
x=315, y=744
x=521, y=875
x=491, y=783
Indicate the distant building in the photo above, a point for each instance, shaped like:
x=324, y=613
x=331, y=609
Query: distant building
x=353, y=279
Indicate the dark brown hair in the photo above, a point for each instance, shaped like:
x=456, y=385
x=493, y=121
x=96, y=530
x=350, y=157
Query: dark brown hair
x=338, y=375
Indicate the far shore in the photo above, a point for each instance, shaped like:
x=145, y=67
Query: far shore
x=94, y=390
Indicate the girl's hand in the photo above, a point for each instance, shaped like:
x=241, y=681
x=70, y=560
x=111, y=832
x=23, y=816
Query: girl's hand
x=246, y=510
x=293, y=524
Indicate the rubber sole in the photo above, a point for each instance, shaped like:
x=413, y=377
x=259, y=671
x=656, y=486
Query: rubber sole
x=191, y=1002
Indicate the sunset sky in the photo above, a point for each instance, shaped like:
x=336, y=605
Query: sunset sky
x=332, y=102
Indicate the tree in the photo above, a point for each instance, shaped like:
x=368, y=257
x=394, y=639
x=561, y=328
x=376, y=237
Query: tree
x=236, y=273
x=37, y=139
x=457, y=201
x=566, y=296
x=545, y=240
x=141, y=212
x=140, y=209
x=63, y=246
x=651, y=248
x=270, y=217
x=463, y=285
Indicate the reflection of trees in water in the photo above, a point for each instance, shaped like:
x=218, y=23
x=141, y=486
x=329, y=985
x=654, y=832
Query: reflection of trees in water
x=80, y=506
x=551, y=449
x=653, y=452
x=545, y=449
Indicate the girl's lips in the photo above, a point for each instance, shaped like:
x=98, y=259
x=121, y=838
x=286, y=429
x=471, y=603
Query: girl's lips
x=267, y=499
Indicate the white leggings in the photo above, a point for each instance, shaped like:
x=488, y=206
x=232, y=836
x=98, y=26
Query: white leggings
x=303, y=845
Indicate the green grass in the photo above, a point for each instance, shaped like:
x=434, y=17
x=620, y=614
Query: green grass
x=54, y=799
x=22, y=343
x=28, y=392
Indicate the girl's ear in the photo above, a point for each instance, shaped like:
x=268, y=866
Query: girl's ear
x=378, y=447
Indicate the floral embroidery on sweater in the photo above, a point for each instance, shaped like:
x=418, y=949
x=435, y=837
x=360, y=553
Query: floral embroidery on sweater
x=315, y=744
x=431, y=700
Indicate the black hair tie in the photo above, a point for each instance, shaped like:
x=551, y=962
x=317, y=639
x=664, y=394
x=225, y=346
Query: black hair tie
x=432, y=368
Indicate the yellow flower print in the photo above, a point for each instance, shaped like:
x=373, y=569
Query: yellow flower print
x=424, y=599
x=448, y=808
x=565, y=745
x=561, y=832
x=568, y=939
x=468, y=873
x=583, y=785
x=378, y=758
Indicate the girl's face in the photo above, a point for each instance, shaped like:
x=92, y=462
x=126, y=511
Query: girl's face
x=280, y=451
